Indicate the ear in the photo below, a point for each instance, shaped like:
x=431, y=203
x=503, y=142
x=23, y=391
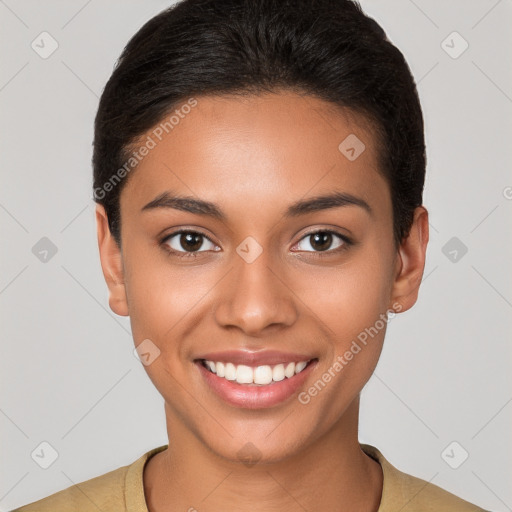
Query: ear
x=410, y=262
x=111, y=264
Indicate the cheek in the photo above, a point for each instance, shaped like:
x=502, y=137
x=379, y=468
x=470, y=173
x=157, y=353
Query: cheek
x=163, y=297
x=349, y=299
x=354, y=334
x=351, y=303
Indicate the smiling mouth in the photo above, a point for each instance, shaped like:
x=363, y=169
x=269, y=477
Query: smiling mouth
x=255, y=375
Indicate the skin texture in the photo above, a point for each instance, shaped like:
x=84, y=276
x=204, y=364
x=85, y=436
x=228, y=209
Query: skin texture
x=253, y=157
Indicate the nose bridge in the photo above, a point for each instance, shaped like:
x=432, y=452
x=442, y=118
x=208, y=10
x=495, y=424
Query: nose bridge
x=255, y=296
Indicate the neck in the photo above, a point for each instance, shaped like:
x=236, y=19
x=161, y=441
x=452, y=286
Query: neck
x=332, y=473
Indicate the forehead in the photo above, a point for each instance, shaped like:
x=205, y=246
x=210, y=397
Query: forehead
x=267, y=147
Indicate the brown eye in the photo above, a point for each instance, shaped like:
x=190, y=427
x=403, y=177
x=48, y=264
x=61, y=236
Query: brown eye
x=191, y=241
x=321, y=241
x=188, y=241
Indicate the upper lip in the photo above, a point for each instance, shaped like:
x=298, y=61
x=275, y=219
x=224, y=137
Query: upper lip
x=260, y=358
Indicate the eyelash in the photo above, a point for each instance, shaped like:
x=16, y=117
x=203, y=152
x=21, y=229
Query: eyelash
x=347, y=242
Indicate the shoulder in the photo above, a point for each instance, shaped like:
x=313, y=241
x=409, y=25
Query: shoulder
x=110, y=492
x=103, y=491
x=402, y=491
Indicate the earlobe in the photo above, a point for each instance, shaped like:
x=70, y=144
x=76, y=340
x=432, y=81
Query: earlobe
x=111, y=264
x=411, y=261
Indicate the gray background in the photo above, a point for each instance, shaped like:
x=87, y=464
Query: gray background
x=68, y=373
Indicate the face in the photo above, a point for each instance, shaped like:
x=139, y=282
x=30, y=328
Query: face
x=253, y=268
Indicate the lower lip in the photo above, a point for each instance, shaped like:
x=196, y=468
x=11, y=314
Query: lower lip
x=252, y=396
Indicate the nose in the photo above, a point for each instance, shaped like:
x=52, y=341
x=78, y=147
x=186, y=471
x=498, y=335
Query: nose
x=255, y=297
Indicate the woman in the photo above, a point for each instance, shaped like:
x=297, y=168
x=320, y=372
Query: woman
x=258, y=173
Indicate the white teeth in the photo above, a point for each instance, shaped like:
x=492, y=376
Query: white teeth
x=300, y=366
x=230, y=371
x=278, y=372
x=261, y=375
x=289, y=371
x=220, y=369
x=244, y=374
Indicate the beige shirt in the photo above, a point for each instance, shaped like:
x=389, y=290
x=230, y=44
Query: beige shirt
x=122, y=490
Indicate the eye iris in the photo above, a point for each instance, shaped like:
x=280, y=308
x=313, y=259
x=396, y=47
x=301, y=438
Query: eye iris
x=321, y=241
x=191, y=241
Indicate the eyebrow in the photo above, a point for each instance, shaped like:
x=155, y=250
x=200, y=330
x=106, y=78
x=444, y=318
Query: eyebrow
x=301, y=207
